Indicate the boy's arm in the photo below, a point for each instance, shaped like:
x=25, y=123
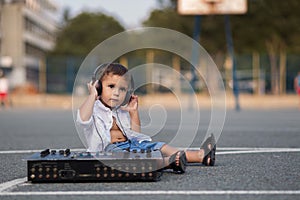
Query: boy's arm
x=135, y=121
x=86, y=109
x=132, y=108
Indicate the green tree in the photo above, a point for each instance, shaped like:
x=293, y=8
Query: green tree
x=271, y=27
x=82, y=33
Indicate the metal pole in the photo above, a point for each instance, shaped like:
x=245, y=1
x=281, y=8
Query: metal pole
x=70, y=74
x=195, y=52
x=195, y=58
x=231, y=53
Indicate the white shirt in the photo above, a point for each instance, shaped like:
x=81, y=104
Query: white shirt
x=96, y=130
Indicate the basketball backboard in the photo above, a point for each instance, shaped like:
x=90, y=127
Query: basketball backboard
x=210, y=7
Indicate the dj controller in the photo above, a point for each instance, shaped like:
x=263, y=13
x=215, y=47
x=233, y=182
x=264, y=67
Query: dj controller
x=66, y=166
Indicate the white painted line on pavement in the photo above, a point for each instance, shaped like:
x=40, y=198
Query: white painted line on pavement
x=10, y=184
x=157, y=192
x=6, y=185
x=279, y=150
x=29, y=151
x=231, y=150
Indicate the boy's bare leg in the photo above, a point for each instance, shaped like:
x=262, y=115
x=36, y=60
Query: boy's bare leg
x=191, y=156
x=195, y=156
x=168, y=150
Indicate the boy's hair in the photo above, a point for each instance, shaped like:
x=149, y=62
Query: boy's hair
x=115, y=69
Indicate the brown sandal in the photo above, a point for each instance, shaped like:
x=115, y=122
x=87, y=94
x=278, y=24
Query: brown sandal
x=209, y=147
x=182, y=162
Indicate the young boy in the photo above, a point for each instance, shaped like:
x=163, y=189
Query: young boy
x=109, y=126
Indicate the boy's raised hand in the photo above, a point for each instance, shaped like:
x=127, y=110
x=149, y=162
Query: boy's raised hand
x=132, y=105
x=92, y=88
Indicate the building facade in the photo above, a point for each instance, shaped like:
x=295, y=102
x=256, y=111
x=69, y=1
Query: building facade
x=27, y=32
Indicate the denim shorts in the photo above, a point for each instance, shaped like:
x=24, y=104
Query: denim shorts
x=134, y=145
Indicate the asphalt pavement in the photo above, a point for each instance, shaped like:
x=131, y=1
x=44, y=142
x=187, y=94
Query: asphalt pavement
x=258, y=157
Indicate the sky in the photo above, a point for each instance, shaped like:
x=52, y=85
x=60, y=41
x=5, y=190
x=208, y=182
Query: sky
x=130, y=13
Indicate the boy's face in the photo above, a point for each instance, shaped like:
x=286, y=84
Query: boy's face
x=114, y=89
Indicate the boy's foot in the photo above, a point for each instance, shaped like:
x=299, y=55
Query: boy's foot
x=178, y=162
x=209, y=147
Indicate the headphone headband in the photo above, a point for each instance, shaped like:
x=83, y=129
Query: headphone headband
x=101, y=68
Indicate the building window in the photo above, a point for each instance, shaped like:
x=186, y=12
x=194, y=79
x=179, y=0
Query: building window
x=38, y=30
x=34, y=51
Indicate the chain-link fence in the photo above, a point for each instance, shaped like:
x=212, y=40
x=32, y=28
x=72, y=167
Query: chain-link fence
x=254, y=72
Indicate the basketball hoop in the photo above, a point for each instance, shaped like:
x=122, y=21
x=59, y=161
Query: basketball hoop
x=212, y=5
x=209, y=7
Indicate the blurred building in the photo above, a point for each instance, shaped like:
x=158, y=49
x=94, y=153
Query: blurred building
x=27, y=31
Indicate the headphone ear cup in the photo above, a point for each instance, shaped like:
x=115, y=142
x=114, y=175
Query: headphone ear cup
x=99, y=88
x=97, y=75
